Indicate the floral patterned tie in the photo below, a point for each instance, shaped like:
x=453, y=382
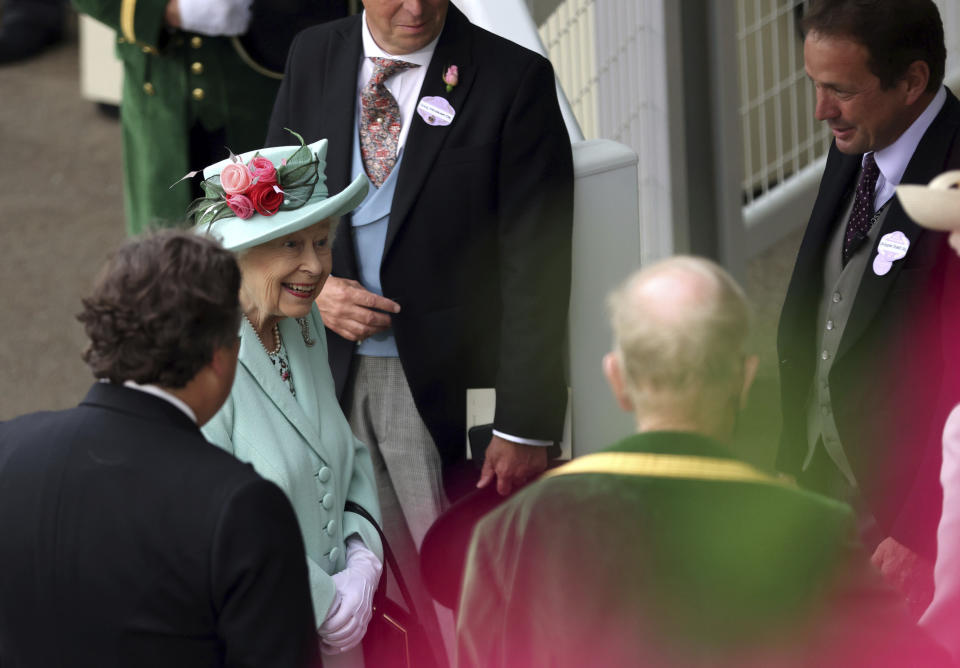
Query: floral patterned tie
x=380, y=121
x=861, y=218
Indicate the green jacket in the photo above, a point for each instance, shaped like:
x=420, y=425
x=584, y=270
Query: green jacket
x=303, y=444
x=676, y=566
x=173, y=81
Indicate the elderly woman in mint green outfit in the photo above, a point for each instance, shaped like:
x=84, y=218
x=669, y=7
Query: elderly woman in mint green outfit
x=271, y=208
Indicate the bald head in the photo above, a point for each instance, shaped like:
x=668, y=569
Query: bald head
x=680, y=334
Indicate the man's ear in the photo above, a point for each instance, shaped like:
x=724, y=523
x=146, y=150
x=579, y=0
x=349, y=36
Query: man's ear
x=213, y=382
x=750, y=365
x=614, y=374
x=224, y=360
x=916, y=80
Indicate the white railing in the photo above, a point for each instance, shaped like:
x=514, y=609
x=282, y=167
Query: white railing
x=568, y=36
x=780, y=135
x=784, y=146
x=600, y=50
x=511, y=19
x=609, y=58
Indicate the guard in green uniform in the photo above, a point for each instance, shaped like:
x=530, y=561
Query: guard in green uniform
x=187, y=96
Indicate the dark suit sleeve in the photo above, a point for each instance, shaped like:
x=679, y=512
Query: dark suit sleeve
x=279, y=119
x=535, y=227
x=261, y=591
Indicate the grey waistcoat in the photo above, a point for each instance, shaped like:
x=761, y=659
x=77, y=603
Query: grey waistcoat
x=840, y=285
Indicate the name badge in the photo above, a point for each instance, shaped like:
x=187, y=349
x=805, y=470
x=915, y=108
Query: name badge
x=436, y=111
x=892, y=247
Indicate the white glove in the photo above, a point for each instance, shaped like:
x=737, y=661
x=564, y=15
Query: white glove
x=215, y=17
x=352, y=607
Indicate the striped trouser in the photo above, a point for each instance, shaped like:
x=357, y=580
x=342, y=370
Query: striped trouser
x=407, y=466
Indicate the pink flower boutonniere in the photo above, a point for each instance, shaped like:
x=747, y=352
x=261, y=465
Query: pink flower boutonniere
x=451, y=77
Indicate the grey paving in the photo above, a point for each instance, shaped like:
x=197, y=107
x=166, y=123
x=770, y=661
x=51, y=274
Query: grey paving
x=60, y=212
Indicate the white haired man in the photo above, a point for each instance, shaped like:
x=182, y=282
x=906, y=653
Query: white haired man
x=663, y=549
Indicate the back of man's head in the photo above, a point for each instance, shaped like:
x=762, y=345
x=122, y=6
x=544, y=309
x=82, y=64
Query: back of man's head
x=161, y=306
x=896, y=33
x=680, y=334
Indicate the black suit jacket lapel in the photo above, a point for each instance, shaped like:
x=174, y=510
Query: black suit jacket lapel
x=929, y=160
x=336, y=113
x=338, y=103
x=455, y=47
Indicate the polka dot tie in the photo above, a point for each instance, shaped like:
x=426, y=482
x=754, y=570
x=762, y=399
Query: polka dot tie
x=380, y=121
x=861, y=218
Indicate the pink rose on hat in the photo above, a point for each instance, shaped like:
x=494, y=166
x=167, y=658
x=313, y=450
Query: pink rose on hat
x=263, y=170
x=241, y=205
x=235, y=178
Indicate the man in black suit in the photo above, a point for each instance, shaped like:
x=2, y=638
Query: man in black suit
x=128, y=540
x=455, y=271
x=864, y=363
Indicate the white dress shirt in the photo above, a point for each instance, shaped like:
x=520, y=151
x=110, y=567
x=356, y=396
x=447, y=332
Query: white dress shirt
x=893, y=159
x=215, y=17
x=404, y=85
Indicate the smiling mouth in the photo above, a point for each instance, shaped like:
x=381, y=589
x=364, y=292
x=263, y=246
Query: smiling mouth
x=302, y=290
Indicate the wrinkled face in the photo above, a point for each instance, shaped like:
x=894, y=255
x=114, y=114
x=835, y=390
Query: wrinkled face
x=861, y=114
x=404, y=26
x=281, y=278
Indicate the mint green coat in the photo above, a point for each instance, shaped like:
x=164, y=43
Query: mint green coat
x=303, y=444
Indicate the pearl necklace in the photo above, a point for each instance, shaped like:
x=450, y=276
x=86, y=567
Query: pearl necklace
x=276, y=336
x=278, y=357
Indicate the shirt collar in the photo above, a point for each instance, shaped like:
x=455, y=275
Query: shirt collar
x=162, y=394
x=893, y=159
x=371, y=50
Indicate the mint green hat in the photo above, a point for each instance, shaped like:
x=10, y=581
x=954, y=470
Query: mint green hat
x=269, y=193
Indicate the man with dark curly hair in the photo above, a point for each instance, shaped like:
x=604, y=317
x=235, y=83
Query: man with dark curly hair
x=128, y=540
